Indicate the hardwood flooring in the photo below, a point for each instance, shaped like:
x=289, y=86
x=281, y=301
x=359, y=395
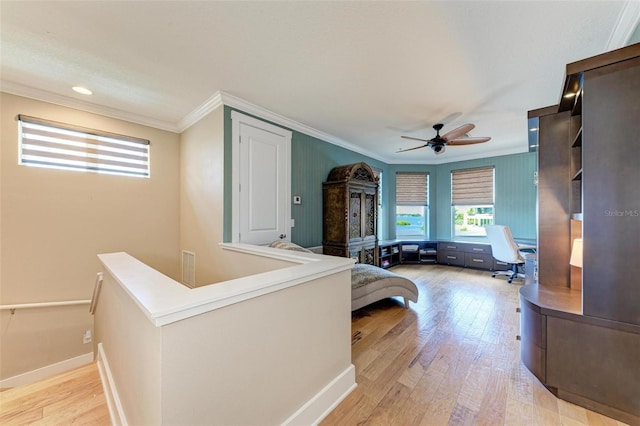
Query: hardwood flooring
x=451, y=359
x=74, y=397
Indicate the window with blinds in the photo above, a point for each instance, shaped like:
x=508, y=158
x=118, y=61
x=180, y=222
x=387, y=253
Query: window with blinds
x=472, y=198
x=412, y=204
x=45, y=143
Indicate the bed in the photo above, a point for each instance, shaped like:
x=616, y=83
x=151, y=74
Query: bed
x=369, y=283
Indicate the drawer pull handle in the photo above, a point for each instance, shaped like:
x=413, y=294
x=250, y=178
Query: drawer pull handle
x=478, y=249
x=451, y=257
x=478, y=260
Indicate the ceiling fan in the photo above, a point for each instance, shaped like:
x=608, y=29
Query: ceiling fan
x=453, y=137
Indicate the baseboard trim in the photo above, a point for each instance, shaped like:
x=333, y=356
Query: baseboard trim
x=116, y=412
x=47, y=371
x=598, y=407
x=318, y=407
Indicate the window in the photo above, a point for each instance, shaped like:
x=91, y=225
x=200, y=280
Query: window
x=45, y=143
x=412, y=205
x=472, y=198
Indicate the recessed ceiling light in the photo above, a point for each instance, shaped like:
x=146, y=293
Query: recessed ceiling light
x=82, y=90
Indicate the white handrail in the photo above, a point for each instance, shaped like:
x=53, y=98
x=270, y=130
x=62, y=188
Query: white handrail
x=45, y=304
x=96, y=292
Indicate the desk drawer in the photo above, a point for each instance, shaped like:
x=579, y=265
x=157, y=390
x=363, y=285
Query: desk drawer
x=451, y=257
x=478, y=248
x=480, y=261
x=449, y=247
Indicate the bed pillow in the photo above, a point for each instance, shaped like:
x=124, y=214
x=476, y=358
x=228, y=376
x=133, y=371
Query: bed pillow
x=287, y=245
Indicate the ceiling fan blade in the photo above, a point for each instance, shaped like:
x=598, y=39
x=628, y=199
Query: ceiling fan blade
x=456, y=133
x=415, y=139
x=411, y=149
x=468, y=141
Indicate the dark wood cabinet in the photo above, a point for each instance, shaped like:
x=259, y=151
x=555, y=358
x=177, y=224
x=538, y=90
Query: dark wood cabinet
x=469, y=255
x=554, y=195
x=611, y=190
x=350, y=202
x=533, y=337
x=419, y=252
x=585, y=360
x=580, y=331
x=389, y=253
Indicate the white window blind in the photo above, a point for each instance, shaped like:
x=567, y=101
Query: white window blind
x=412, y=189
x=46, y=143
x=472, y=186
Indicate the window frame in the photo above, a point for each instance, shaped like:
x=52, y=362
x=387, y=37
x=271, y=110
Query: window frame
x=414, y=199
x=54, y=145
x=471, y=185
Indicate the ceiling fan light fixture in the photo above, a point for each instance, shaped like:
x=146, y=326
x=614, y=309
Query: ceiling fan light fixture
x=458, y=136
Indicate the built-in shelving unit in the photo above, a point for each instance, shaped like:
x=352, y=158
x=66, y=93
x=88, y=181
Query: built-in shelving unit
x=576, y=148
x=429, y=253
x=580, y=333
x=389, y=253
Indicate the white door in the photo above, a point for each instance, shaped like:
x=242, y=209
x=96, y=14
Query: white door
x=261, y=181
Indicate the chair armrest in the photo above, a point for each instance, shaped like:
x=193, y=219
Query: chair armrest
x=527, y=247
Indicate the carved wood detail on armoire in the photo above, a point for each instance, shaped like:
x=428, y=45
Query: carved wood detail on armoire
x=349, y=210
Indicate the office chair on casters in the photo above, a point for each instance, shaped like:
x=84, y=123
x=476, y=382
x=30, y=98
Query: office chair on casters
x=505, y=249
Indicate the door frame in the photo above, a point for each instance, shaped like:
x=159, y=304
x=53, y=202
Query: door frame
x=238, y=118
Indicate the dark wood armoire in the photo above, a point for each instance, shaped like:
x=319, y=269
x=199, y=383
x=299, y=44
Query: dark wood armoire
x=350, y=202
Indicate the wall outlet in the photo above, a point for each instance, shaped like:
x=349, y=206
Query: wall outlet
x=86, y=337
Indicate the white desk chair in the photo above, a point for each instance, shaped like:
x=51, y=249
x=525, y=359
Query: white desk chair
x=505, y=249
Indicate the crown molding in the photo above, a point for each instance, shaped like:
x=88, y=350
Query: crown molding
x=217, y=100
x=200, y=112
x=263, y=113
x=66, y=101
x=628, y=21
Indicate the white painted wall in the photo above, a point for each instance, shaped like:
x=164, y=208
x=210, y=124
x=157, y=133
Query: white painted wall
x=261, y=349
x=53, y=223
x=202, y=194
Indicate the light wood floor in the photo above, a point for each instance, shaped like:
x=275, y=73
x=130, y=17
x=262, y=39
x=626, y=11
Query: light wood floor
x=74, y=397
x=452, y=359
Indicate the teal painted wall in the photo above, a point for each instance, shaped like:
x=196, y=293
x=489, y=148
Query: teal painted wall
x=515, y=193
x=312, y=159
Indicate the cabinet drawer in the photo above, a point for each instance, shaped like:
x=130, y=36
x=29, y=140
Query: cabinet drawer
x=451, y=257
x=448, y=246
x=478, y=248
x=533, y=325
x=535, y=359
x=480, y=261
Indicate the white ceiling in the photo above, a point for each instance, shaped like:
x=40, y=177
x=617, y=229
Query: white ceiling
x=361, y=73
